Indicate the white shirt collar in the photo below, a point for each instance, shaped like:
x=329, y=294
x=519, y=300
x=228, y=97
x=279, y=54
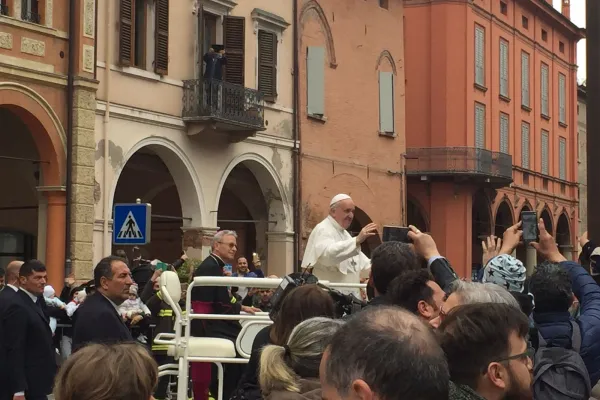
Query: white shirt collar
x=31, y=296
x=111, y=302
x=13, y=287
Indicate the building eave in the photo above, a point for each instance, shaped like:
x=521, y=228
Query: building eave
x=555, y=15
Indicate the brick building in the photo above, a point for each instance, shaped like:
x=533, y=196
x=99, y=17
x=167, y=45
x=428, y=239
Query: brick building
x=491, y=121
x=47, y=103
x=351, y=110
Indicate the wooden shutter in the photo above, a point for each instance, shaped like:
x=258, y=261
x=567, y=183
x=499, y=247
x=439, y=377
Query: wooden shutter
x=503, y=67
x=504, y=133
x=234, y=39
x=479, y=55
x=525, y=79
x=315, y=80
x=525, y=145
x=479, y=126
x=126, y=33
x=562, y=98
x=545, y=152
x=267, y=64
x=161, y=42
x=562, y=158
x=386, y=102
x=544, y=90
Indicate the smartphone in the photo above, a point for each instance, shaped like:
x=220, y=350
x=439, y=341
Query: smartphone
x=228, y=268
x=161, y=266
x=529, y=226
x=396, y=234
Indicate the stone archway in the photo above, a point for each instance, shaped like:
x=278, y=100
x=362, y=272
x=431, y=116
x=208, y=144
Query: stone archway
x=33, y=166
x=157, y=171
x=563, y=236
x=415, y=215
x=504, y=218
x=546, y=215
x=252, y=201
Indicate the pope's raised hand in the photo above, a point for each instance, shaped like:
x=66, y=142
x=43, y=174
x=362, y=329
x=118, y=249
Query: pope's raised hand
x=366, y=232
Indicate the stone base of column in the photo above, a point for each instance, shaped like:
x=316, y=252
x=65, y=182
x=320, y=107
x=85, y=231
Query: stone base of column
x=197, y=242
x=280, y=257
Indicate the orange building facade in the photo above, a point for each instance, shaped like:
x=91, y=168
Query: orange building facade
x=491, y=121
x=39, y=194
x=351, y=110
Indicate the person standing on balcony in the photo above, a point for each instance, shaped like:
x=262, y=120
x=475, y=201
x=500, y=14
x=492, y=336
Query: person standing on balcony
x=333, y=254
x=214, y=61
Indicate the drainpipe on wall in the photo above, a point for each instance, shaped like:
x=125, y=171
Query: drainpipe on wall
x=70, y=101
x=106, y=191
x=296, y=151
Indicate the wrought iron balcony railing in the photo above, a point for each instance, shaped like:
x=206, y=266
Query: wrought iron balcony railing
x=30, y=16
x=453, y=161
x=235, y=105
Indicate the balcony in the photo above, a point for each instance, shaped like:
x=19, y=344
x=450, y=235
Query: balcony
x=227, y=106
x=459, y=164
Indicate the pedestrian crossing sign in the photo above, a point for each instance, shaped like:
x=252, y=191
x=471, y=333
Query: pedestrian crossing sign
x=131, y=224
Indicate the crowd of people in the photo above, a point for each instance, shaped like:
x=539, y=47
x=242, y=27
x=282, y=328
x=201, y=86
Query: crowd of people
x=424, y=334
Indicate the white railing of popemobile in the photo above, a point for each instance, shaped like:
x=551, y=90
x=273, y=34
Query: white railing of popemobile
x=186, y=348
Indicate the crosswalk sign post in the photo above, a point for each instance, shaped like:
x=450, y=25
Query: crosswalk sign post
x=132, y=224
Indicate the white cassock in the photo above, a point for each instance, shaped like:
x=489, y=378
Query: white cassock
x=335, y=256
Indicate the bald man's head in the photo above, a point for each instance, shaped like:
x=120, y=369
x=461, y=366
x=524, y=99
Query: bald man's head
x=12, y=272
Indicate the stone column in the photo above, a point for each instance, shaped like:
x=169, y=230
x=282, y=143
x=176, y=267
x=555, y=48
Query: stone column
x=530, y=260
x=197, y=242
x=82, y=190
x=55, y=238
x=280, y=254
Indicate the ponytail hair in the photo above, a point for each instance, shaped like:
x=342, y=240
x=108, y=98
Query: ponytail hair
x=281, y=367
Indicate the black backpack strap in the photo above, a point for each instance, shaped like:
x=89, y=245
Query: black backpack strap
x=576, y=337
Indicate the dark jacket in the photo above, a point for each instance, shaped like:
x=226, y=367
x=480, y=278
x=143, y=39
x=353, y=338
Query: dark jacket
x=214, y=65
x=556, y=328
x=97, y=321
x=462, y=392
x=443, y=273
x=214, y=300
x=310, y=389
x=27, y=347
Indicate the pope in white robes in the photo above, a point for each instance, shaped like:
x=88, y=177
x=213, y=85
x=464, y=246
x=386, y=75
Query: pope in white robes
x=334, y=255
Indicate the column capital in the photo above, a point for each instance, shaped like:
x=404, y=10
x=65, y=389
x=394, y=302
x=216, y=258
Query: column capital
x=196, y=237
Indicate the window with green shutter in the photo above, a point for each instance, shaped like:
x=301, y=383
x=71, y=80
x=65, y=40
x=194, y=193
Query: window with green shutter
x=525, y=145
x=315, y=76
x=525, y=79
x=267, y=64
x=504, y=131
x=545, y=151
x=504, y=68
x=562, y=158
x=479, y=55
x=562, y=98
x=386, y=102
x=480, y=125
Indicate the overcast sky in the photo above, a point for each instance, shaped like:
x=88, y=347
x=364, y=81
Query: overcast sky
x=578, y=18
